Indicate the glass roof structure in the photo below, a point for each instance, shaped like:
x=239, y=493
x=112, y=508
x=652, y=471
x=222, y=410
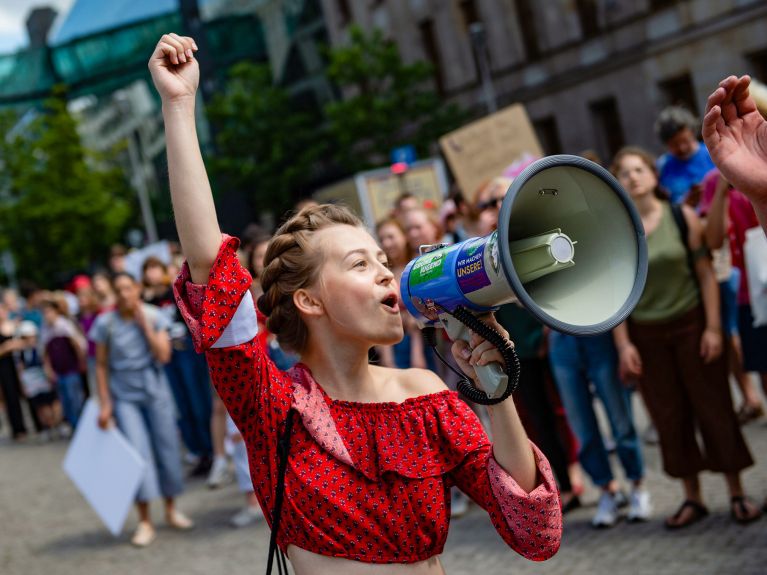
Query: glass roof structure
x=103, y=61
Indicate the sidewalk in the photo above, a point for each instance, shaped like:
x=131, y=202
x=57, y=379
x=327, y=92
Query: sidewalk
x=46, y=528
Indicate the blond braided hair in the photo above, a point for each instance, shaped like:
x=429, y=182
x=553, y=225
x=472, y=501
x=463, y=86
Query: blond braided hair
x=292, y=263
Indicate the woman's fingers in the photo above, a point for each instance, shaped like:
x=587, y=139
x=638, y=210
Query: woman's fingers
x=485, y=353
x=177, y=45
x=187, y=44
x=166, y=51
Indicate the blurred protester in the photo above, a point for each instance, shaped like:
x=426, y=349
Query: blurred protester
x=591, y=156
x=403, y=204
x=536, y=409
x=89, y=309
x=410, y=351
x=117, y=255
x=13, y=303
x=187, y=371
x=251, y=511
x=421, y=228
x=736, y=132
x=64, y=356
x=488, y=202
x=672, y=344
x=33, y=297
x=730, y=215
x=577, y=363
x=132, y=344
x=37, y=388
x=10, y=387
x=102, y=285
x=686, y=161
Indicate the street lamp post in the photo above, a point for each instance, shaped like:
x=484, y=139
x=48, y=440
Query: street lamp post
x=479, y=46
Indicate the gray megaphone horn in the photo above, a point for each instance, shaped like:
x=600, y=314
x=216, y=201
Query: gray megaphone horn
x=570, y=247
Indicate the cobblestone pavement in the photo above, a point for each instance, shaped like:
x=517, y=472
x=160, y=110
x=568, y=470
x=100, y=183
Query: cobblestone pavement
x=46, y=528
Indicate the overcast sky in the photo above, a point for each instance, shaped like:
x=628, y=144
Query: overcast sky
x=13, y=15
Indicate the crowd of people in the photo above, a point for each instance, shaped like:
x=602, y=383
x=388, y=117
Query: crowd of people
x=121, y=339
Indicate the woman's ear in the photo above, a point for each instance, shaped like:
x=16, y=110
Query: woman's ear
x=308, y=303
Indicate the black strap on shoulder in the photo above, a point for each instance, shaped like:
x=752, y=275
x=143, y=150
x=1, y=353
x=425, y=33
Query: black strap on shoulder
x=684, y=234
x=283, y=448
x=681, y=225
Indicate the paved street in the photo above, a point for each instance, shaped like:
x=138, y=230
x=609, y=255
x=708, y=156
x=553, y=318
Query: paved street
x=47, y=529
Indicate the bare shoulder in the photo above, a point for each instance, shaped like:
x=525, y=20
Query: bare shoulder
x=411, y=382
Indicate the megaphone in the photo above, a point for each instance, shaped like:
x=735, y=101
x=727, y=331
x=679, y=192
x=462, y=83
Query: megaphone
x=570, y=247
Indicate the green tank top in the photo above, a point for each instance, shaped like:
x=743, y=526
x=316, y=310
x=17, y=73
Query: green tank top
x=671, y=288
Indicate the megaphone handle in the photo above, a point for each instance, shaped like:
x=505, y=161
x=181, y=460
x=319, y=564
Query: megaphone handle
x=492, y=377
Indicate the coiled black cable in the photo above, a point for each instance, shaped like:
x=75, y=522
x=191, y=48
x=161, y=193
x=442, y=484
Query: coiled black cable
x=465, y=385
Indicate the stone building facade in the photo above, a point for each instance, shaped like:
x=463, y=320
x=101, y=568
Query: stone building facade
x=592, y=73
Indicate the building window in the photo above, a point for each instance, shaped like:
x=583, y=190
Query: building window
x=757, y=65
x=607, y=123
x=526, y=18
x=661, y=4
x=344, y=12
x=548, y=135
x=469, y=13
x=589, y=17
x=679, y=91
x=431, y=48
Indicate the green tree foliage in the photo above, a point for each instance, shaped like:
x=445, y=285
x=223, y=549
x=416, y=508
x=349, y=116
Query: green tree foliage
x=58, y=211
x=388, y=103
x=265, y=147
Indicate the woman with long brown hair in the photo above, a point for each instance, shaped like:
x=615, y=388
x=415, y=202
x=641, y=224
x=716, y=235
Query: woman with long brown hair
x=672, y=344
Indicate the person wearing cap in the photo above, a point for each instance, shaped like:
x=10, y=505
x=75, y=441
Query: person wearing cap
x=37, y=388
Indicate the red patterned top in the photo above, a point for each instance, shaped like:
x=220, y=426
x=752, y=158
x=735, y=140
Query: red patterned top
x=365, y=481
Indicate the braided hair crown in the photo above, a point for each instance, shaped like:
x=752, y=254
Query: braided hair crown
x=292, y=263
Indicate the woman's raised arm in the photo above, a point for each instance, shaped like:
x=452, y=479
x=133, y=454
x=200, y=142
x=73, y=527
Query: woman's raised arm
x=176, y=75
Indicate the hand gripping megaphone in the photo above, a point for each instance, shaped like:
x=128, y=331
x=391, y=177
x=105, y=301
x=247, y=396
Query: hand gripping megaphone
x=570, y=247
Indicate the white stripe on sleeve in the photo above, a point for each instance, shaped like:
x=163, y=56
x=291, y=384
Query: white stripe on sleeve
x=243, y=327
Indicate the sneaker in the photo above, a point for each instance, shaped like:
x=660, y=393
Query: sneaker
x=179, y=521
x=219, y=473
x=621, y=501
x=650, y=435
x=640, y=507
x=246, y=516
x=607, y=511
x=459, y=503
x=144, y=535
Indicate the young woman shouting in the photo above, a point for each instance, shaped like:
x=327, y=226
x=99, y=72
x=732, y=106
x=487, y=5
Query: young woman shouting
x=373, y=451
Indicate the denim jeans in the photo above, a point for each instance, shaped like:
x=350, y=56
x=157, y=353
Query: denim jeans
x=149, y=426
x=188, y=377
x=70, y=388
x=577, y=362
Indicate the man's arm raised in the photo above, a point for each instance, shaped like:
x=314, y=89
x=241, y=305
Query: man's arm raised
x=176, y=75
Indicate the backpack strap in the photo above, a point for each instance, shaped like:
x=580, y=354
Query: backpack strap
x=684, y=234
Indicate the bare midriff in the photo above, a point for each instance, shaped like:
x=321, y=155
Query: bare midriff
x=307, y=563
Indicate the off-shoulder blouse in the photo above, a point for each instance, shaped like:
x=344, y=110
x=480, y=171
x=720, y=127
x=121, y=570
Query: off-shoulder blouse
x=365, y=481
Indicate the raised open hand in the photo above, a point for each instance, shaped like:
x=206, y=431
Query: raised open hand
x=174, y=69
x=736, y=136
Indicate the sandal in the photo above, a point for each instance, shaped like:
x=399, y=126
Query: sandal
x=698, y=512
x=748, y=413
x=740, y=510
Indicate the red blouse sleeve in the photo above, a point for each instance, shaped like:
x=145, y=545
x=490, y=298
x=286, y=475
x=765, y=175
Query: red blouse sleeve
x=530, y=523
x=222, y=319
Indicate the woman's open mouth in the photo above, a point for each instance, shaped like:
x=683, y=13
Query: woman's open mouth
x=391, y=303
